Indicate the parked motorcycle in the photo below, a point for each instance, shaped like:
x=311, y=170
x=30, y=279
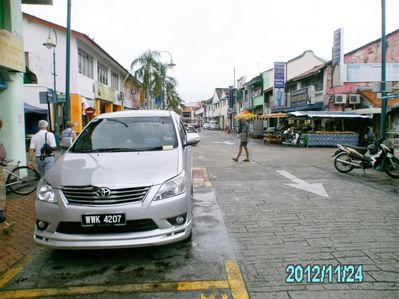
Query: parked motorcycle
x=375, y=155
x=293, y=137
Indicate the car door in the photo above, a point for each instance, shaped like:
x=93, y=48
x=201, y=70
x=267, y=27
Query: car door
x=186, y=152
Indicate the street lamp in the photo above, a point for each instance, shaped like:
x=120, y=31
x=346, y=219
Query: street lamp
x=49, y=44
x=170, y=64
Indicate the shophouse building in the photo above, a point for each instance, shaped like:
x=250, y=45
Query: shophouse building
x=362, y=69
x=12, y=67
x=216, y=108
x=98, y=83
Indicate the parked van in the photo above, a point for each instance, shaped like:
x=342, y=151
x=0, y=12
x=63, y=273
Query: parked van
x=125, y=182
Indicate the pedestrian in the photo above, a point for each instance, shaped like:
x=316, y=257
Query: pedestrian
x=3, y=156
x=68, y=136
x=42, y=146
x=244, y=138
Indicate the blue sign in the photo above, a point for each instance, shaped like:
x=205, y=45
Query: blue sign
x=50, y=96
x=279, y=74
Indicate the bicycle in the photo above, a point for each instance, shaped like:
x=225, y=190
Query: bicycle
x=21, y=180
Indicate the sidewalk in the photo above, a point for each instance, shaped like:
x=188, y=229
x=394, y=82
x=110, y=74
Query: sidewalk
x=17, y=241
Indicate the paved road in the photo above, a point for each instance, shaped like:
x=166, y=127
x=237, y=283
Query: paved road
x=273, y=224
x=263, y=214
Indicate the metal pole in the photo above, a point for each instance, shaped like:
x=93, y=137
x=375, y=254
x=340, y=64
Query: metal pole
x=56, y=124
x=383, y=74
x=67, y=65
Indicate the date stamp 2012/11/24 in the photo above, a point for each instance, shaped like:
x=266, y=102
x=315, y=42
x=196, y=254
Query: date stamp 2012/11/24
x=346, y=273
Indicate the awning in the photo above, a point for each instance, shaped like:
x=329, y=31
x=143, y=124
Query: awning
x=327, y=114
x=274, y=115
x=32, y=109
x=367, y=111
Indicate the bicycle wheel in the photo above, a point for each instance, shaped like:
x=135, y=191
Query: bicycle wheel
x=22, y=180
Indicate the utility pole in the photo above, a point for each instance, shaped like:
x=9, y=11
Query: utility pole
x=383, y=74
x=68, y=64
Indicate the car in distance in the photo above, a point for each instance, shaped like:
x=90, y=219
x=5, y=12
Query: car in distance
x=213, y=125
x=125, y=182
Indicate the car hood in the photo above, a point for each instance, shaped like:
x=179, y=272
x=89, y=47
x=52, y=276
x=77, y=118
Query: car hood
x=115, y=169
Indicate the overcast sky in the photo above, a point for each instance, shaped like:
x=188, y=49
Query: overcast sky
x=209, y=38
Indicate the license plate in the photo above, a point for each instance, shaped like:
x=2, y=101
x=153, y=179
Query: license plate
x=103, y=219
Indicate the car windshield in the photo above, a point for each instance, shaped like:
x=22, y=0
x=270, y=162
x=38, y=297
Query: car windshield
x=126, y=134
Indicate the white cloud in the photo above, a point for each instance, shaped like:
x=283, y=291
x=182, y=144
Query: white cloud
x=208, y=38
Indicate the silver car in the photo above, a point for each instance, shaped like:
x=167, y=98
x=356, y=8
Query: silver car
x=125, y=182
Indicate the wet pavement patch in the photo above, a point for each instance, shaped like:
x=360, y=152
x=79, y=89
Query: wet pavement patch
x=203, y=267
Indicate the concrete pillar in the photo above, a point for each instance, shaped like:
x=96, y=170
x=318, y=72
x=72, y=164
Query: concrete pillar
x=12, y=113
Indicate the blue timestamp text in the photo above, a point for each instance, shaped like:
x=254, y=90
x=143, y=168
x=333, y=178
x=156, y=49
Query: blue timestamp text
x=347, y=273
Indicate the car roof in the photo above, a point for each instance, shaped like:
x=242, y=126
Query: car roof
x=137, y=113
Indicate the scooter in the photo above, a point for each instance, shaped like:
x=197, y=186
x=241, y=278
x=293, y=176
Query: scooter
x=291, y=137
x=377, y=155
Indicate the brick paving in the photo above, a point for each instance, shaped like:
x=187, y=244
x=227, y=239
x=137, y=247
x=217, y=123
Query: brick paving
x=18, y=241
x=272, y=224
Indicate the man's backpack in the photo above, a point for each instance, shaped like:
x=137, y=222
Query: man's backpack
x=46, y=149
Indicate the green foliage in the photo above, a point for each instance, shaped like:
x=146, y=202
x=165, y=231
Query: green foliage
x=153, y=74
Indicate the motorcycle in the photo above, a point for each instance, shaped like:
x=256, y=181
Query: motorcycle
x=377, y=155
x=293, y=137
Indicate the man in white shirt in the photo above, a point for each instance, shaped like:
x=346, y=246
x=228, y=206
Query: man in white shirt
x=36, y=143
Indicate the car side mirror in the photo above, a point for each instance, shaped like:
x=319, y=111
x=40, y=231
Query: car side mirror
x=193, y=139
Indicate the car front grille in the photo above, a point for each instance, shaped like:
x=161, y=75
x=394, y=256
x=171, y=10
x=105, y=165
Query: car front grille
x=131, y=226
x=87, y=195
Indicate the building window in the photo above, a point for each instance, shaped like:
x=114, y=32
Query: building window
x=114, y=81
x=102, y=73
x=85, y=63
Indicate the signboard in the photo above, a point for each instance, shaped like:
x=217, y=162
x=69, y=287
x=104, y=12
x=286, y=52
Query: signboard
x=299, y=97
x=279, y=97
x=337, y=58
x=371, y=72
x=50, y=96
x=11, y=51
x=106, y=93
x=279, y=75
x=267, y=80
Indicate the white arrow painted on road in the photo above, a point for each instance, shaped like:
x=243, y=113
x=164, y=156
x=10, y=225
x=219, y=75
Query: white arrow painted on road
x=301, y=184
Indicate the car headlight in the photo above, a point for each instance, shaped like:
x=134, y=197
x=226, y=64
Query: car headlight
x=172, y=187
x=45, y=192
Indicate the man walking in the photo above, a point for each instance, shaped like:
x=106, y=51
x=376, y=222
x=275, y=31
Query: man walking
x=44, y=161
x=244, y=137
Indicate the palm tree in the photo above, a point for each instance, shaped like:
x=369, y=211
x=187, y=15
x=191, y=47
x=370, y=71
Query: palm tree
x=147, y=66
x=153, y=75
x=165, y=87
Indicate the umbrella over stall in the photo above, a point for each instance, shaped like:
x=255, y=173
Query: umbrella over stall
x=244, y=114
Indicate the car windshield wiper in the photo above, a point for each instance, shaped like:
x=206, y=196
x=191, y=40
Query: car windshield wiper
x=118, y=121
x=109, y=149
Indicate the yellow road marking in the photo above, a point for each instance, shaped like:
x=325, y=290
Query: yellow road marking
x=211, y=296
x=10, y=274
x=206, y=177
x=145, y=287
x=202, y=181
x=236, y=282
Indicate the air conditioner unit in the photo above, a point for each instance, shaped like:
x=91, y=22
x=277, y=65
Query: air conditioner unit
x=354, y=99
x=340, y=99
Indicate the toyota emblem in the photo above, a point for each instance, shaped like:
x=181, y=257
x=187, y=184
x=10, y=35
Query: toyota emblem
x=103, y=192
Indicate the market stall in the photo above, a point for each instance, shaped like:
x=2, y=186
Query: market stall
x=272, y=134
x=330, y=137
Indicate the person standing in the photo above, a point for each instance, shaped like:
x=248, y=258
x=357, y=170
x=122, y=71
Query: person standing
x=43, y=161
x=69, y=132
x=244, y=138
